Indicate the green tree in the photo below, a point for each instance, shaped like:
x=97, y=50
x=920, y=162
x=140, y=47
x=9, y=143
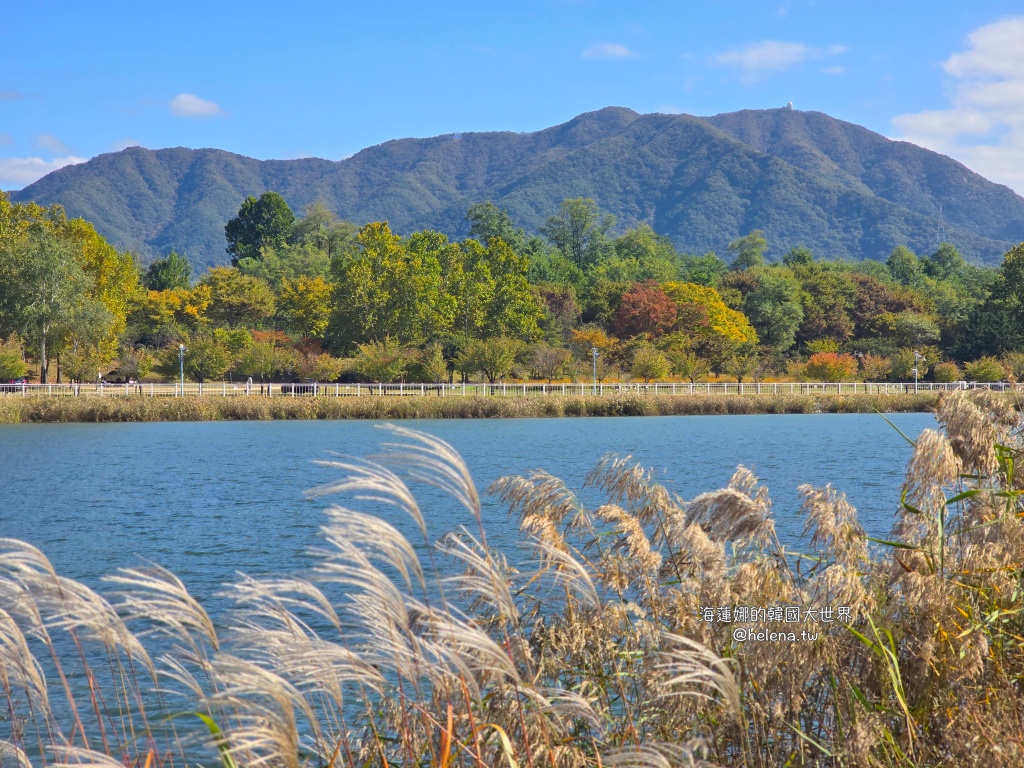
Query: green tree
x=904, y=266
x=45, y=292
x=548, y=362
x=947, y=262
x=493, y=357
x=431, y=365
x=489, y=222
x=381, y=291
x=579, y=231
x=266, y=357
x=289, y=262
x=12, y=361
x=798, y=256
x=205, y=358
x=996, y=326
x=703, y=270
x=266, y=222
x=237, y=299
x=749, y=250
x=172, y=271
x=649, y=363
x=773, y=307
x=381, y=361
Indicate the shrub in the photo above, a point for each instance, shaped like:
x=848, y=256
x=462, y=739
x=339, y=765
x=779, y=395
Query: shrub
x=985, y=369
x=649, y=363
x=874, y=367
x=1013, y=363
x=831, y=366
x=944, y=373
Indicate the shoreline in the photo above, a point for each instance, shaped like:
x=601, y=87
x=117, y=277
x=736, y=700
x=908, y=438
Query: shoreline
x=27, y=410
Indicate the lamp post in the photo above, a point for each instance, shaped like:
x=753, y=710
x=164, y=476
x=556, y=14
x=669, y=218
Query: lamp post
x=918, y=359
x=595, y=353
x=181, y=366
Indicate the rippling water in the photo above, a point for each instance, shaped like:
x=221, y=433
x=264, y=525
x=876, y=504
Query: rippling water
x=210, y=499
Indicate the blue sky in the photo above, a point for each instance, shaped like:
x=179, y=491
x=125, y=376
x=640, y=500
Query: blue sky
x=286, y=80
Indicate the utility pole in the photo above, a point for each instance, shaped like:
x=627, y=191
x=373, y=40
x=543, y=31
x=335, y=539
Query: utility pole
x=595, y=353
x=181, y=366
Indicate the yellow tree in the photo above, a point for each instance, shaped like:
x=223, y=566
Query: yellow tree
x=306, y=304
x=721, y=320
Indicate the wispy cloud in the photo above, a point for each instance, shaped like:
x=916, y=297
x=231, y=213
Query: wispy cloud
x=608, y=51
x=983, y=123
x=755, y=60
x=6, y=139
x=835, y=69
x=51, y=143
x=190, y=105
x=10, y=95
x=17, y=172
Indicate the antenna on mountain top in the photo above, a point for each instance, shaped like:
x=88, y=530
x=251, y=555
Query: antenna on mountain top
x=790, y=105
x=942, y=228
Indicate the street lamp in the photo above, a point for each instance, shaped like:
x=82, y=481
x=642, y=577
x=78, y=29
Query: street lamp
x=918, y=359
x=596, y=354
x=181, y=366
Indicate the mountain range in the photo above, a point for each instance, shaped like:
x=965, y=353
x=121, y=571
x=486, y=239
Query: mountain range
x=804, y=178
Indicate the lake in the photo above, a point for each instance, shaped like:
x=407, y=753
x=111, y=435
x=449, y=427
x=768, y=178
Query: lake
x=210, y=499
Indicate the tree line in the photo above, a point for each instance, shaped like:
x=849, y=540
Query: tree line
x=313, y=297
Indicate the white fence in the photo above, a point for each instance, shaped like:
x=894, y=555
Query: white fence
x=225, y=389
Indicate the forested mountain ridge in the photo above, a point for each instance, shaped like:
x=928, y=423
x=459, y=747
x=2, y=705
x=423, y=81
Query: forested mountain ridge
x=804, y=178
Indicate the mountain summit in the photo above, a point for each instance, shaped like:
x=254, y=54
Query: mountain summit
x=803, y=177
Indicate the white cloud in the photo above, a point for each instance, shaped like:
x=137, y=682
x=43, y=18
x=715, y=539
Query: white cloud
x=983, y=124
x=17, y=172
x=608, y=51
x=835, y=69
x=52, y=143
x=190, y=105
x=758, y=59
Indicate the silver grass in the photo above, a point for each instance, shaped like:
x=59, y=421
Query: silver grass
x=691, y=669
x=18, y=667
x=567, y=570
x=155, y=595
x=277, y=598
x=658, y=755
x=376, y=538
x=7, y=749
x=483, y=578
x=51, y=601
x=260, y=706
x=82, y=758
x=540, y=495
x=370, y=481
x=431, y=460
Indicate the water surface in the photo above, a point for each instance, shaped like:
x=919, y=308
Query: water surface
x=209, y=499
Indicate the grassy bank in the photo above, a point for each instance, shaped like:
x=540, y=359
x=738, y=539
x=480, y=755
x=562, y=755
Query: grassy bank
x=14, y=410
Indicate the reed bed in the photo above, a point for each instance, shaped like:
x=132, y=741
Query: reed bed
x=608, y=647
x=16, y=409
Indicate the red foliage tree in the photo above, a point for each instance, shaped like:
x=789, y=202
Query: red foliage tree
x=646, y=310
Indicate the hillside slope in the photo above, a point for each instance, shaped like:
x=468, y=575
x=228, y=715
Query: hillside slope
x=803, y=177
